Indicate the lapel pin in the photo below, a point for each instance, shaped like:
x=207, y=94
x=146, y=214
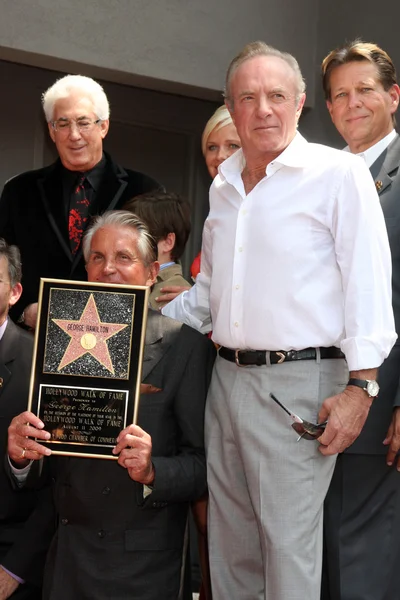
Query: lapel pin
x=378, y=185
x=1, y=382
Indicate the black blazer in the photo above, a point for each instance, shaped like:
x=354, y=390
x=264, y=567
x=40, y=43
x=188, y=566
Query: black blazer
x=33, y=217
x=21, y=550
x=111, y=542
x=385, y=172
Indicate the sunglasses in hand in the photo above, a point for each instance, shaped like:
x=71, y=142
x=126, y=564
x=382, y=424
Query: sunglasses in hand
x=305, y=429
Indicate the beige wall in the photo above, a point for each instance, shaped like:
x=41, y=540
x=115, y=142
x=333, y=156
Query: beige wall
x=183, y=46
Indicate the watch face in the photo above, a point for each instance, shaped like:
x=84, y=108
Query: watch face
x=372, y=388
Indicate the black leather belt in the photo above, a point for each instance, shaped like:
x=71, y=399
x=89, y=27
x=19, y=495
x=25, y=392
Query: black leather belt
x=245, y=358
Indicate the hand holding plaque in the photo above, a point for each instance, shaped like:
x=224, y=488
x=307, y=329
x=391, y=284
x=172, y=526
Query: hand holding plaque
x=134, y=450
x=24, y=429
x=87, y=363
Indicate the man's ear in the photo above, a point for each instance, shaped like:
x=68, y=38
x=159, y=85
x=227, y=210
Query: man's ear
x=229, y=106
x=104, y=125
x=153, y=272
x=394, y=95
x=51, y=131
x=300, y=105
x=15, y=294
x=329, y=107
x=167, y=244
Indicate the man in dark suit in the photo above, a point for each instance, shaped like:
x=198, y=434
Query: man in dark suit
x=362, y=508
x=121, y=531
x=45, y=212
x=21, y=564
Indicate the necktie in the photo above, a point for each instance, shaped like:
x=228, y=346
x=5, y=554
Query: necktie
x=78, y=214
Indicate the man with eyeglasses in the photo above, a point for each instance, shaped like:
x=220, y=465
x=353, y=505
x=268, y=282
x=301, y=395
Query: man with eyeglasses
x=45, y=212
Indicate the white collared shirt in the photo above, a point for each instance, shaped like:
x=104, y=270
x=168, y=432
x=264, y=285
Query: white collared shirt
x=371, y=154
x=302, y=260
x=3, y=328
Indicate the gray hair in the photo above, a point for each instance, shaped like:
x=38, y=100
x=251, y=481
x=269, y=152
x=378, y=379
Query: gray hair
x=146, y=244
x=262, y=49
x=13, y=257
x=63, y=87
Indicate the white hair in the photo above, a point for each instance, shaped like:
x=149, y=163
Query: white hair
x=63, y=87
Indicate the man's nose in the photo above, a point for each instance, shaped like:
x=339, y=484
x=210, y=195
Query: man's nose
x=109, y=267
x=263, y=107
x=74, y=131
x=354, y=99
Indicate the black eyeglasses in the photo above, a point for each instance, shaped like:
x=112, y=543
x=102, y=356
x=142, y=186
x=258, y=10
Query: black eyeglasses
x=305, y=429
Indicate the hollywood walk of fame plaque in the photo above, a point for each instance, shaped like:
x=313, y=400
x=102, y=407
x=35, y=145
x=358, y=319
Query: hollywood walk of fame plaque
x=86, y=371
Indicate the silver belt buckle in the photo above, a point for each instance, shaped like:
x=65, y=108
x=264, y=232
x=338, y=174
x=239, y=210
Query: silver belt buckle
x=237, y=359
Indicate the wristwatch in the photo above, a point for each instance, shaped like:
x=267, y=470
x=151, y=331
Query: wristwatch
x=368, y=385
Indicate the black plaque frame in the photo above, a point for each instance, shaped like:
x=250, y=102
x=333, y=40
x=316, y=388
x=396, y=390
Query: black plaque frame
x=85, y=401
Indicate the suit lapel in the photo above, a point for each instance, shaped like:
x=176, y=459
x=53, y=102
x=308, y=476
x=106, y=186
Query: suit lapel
x=386, y=166
x=8, y=353
x=51, y=194
x=154, y=349
x=112, y=186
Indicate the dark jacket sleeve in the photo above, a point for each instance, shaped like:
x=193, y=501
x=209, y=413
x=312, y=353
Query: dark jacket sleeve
x=182, y=477
x=26, y=557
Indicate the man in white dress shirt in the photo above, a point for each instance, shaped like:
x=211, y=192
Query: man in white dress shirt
x=295, y=270
x=362, y=508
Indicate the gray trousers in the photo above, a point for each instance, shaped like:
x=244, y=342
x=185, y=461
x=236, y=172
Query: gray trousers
x=266, y=489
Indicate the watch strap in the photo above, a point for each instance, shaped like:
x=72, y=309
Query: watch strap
x=362, y=383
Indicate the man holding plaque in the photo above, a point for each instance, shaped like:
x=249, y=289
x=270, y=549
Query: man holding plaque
x=45, y=212
x=121, y=527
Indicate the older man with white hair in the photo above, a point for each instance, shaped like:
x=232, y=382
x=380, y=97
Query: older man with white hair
x=121, y=525
x=45, y=212
x=295, y=277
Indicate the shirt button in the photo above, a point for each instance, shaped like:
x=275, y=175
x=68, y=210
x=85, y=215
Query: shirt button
x=240, y=249
x=101, y=533
x=244, y=212
x=64, y=521
x=236, y=324
x=106, y=491
x=237, y=287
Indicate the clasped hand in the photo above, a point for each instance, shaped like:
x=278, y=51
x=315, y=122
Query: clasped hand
x=346, y=414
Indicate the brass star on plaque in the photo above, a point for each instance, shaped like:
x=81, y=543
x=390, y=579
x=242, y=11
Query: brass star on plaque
x=378, y=185
x=88, y=335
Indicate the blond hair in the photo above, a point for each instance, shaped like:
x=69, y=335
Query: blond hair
x=219, y=119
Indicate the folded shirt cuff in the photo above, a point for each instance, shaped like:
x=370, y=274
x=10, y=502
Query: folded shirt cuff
x=13, y=575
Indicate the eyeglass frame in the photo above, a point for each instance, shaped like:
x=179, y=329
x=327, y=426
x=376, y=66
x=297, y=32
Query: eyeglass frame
x=68, y=124
x=305, y=429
